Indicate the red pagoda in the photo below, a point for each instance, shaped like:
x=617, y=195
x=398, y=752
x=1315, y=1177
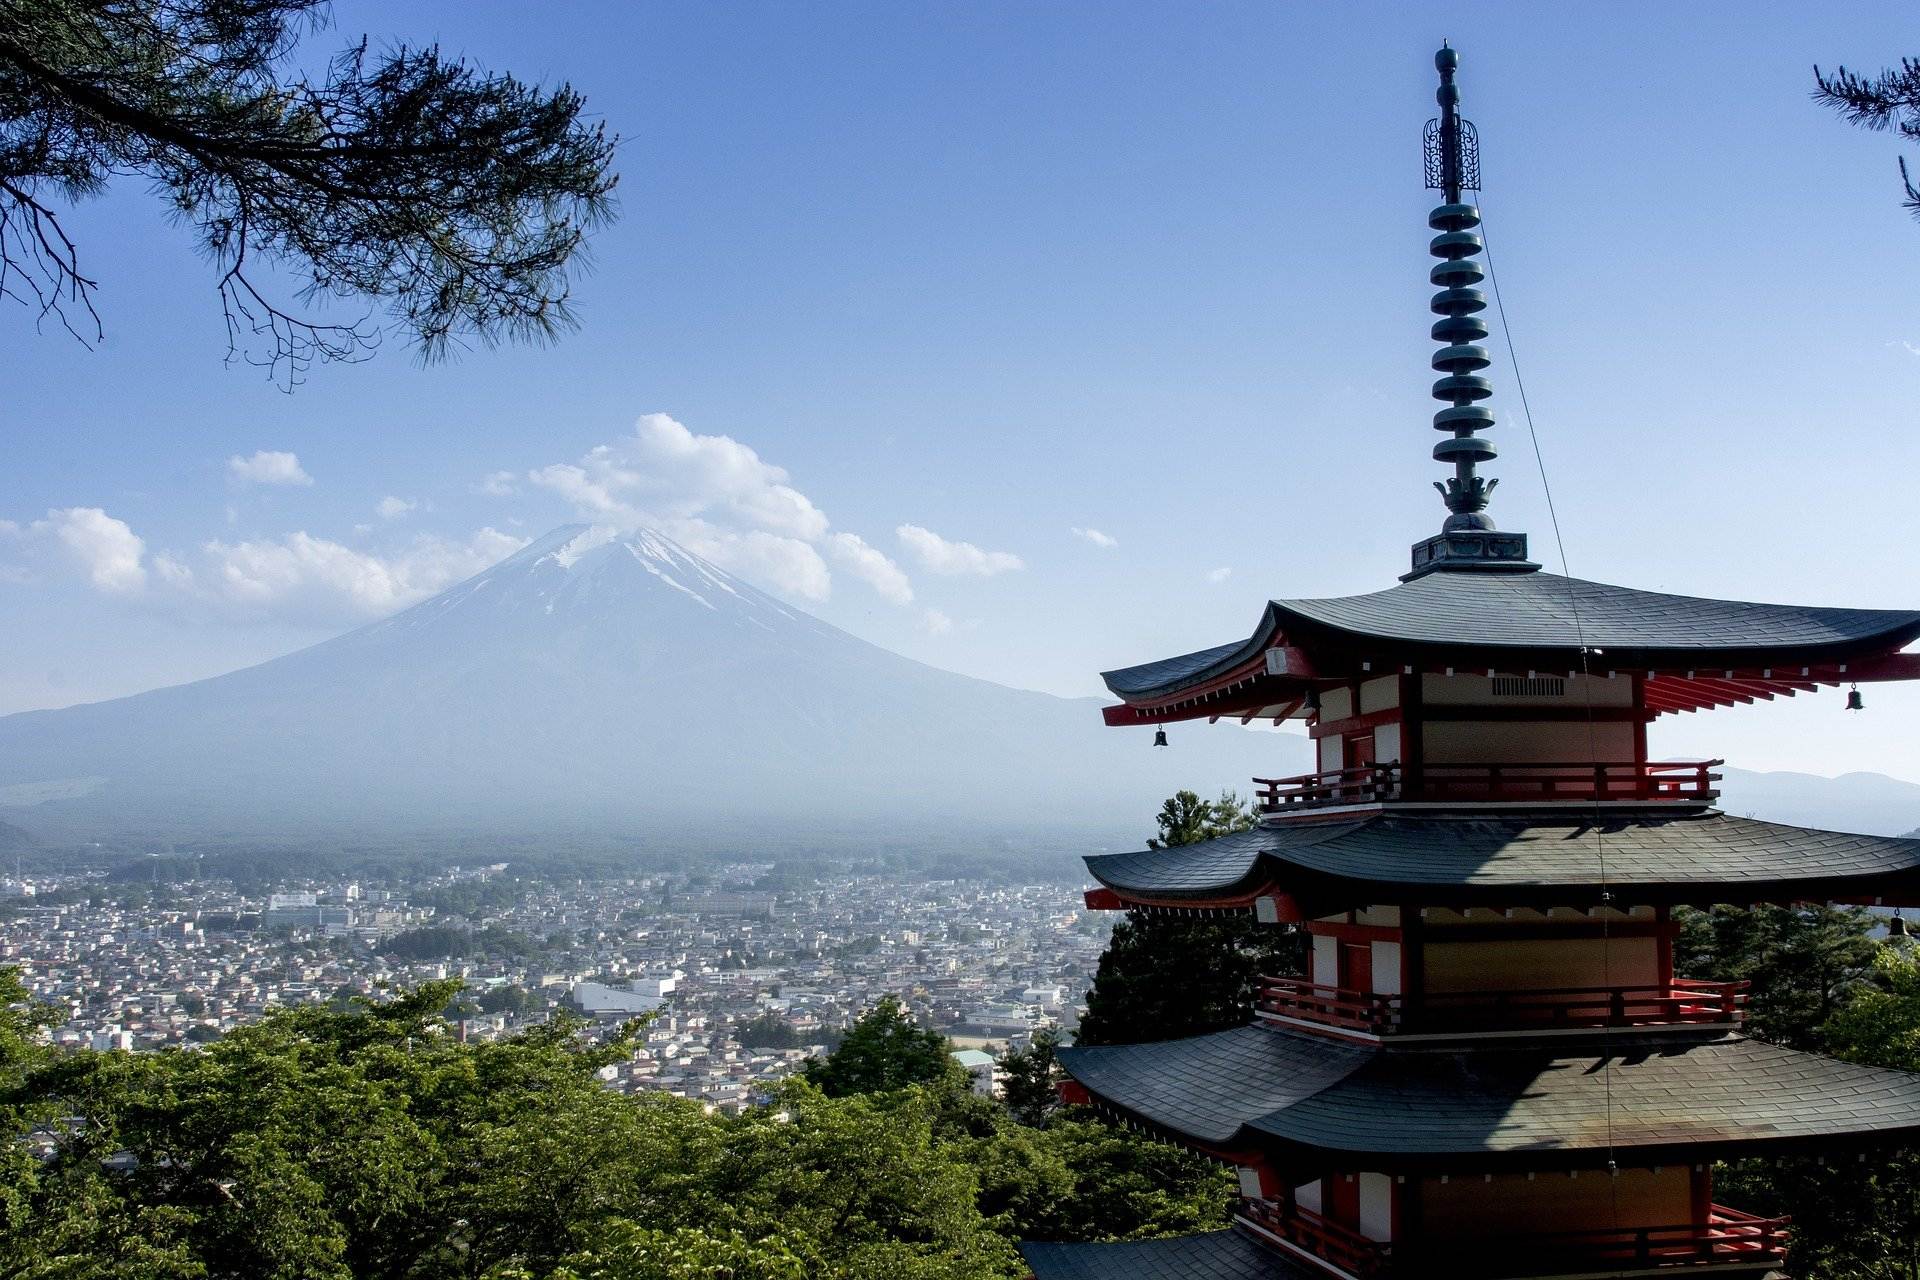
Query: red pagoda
x=1492, y=1068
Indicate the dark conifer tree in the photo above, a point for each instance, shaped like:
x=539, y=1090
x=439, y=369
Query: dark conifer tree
x=1164, y=977
x=1887, y=101
x=451, y=197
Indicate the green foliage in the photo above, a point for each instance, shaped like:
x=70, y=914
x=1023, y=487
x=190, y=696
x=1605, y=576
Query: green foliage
x=508, y=999
x=769, y=1031
x=1162, y=977
x=1804, y=963
x=360, y=1140
x=1029, y=1080
x=884, y=1050
x=455, y=197
x=442, y=942
x=1083, y=1179
x=1187, y=819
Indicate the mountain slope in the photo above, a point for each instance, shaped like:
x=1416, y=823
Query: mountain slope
x=602, y=679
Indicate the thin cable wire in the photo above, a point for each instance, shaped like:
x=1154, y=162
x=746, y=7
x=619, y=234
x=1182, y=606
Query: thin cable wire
x=1586, y=685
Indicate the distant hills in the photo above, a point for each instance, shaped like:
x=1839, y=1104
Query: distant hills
x=619, y=684
x=1869, y=802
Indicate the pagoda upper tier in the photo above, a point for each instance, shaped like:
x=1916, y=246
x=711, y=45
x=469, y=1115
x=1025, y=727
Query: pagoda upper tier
x=1686, y=652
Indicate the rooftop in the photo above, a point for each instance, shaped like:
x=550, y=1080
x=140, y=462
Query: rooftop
x=1260, y=1087
x=1542, y=618
x=1216, y=1255
x=1648, y=856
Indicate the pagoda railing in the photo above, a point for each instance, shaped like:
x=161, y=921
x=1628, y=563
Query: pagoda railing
x=1728, y=1237
x=1682, y=1001
x=1690, y=782
x=1320, y=1236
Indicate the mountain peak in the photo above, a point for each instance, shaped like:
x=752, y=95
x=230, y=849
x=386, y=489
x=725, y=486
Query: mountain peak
x=595, y=675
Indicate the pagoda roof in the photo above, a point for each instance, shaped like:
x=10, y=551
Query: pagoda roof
x=1447, y=857
x=1215, y=1255
x=1263, y=1087
x=1542, y=616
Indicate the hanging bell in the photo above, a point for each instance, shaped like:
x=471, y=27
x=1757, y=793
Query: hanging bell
x=1159, y=737
x=1897, y=927
x=1854, y=702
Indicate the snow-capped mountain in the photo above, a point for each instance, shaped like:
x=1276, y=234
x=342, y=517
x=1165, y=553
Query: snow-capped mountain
x=610, y=679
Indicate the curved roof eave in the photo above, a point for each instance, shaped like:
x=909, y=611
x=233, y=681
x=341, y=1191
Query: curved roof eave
x=1263, y=1085
x=1665, y=856
x=1537, y=614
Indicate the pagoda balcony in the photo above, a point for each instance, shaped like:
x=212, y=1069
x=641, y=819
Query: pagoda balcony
x=1681, y=1002
x=1645, y=782
x=1729, y=1239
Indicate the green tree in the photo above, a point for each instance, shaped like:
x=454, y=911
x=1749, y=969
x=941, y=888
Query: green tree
x=1163, y=977
x=455, y=198
x=1187, y=819
x=768, y=1031
x=1804, y=963
x=1030, y=1079
x=1084, y=1179
x=885, y=1049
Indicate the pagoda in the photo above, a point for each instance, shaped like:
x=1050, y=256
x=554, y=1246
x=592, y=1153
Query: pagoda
x=1491, y=1068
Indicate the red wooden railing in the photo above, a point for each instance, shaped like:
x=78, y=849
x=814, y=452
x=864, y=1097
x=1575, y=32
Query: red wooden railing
x=1727, y=1237
x=1686, y=781
x=1320, y=1236
x=1683, y=1000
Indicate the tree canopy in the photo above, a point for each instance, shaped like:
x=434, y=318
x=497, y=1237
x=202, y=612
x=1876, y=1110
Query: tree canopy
x=455, y=198
x=882, y=1051
x=364, y=1141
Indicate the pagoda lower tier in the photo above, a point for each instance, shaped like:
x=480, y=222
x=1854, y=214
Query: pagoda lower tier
x=1477, y=1158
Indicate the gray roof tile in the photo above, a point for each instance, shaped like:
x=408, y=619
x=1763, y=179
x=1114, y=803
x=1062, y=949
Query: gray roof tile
x=1665, y=854
x=1538, y=613
x=1257, y=1081
x=1217, y=1255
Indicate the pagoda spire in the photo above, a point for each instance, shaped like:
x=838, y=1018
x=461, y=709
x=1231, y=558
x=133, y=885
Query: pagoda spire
x=1468, y=539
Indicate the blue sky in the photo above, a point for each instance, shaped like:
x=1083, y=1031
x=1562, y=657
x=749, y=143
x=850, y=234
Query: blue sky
x=1003, y=272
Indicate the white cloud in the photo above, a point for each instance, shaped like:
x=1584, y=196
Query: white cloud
x=722, y=500
x=298, y=577
x=935, y=623
x=267, y=466
x=498, y=484
x=663, y=471
x=939, y=555
x=788, y=564
x=392, y=508
x=302, y=577
x=1097, y=538
x=1217, y=576
x=873, y=566
x=109, y=551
